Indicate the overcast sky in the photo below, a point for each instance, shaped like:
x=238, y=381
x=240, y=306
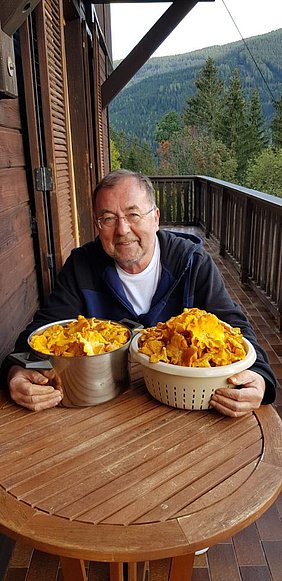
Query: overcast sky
x=208, y=24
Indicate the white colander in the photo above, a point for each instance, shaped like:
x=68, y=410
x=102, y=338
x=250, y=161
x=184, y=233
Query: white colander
x=187, y=387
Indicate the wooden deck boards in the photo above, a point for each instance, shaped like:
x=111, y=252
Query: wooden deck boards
x=254, y=554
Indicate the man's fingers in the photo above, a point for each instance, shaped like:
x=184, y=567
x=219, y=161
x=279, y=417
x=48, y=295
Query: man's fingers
x=54, y=379
x=19, y=374
x=27, y=388
x=229, y=411
x=236, y=402
x=38, y=390
x=242, y=378
x=233, y=402
x=36, y=401
x=247, y=378
x=233, y=394
x=34, y=390
x=41, y=404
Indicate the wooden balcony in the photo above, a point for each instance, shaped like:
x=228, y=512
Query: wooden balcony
x=242, y=231
x=246, y=224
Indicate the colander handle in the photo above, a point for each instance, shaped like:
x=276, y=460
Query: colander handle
x=30, y=361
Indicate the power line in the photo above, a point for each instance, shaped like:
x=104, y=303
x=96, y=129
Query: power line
x=251, y=55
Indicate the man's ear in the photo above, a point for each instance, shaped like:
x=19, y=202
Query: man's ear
x=96, y=227
x=157, y=218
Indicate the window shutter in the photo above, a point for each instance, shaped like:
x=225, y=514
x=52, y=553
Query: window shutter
x=51, y=50
x=98, y=106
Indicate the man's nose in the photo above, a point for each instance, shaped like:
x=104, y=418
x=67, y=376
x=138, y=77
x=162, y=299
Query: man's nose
x=122, y=225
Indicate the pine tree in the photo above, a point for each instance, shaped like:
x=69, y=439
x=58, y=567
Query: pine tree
x=276, y=125
x=257, y=137
x=168, y=125
x=140, y=158
x=203, y=110
x=133, y=153
x=115, y=157
x=235, y=130
x=121, y=143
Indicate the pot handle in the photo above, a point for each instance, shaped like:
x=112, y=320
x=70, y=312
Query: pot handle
x=30, y=361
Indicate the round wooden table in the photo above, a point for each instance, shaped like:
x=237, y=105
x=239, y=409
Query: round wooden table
x=134, y=480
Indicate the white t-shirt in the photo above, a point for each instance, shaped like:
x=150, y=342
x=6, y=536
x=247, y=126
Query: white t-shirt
x=140, y=288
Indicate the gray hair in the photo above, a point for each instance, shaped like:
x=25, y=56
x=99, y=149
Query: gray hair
x=112, y=178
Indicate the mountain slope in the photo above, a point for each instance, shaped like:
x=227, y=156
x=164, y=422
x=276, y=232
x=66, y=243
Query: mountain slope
x=165, y=83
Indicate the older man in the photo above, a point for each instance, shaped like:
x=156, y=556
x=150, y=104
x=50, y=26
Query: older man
x=133, y=270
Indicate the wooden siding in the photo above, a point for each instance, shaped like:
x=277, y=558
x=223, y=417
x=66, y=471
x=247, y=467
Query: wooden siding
x=18, y=282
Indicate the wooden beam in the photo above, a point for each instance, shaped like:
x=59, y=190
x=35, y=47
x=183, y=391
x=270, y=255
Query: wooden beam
x=136, y=1
x=8, y=78
x=144, y=49
x=14, y=12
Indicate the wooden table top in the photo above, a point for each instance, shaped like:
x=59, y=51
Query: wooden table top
x=133, y=479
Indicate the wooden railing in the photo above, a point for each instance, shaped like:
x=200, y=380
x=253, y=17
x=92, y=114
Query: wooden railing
x=247, y=225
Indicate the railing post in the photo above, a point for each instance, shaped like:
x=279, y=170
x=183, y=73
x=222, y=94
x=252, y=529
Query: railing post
x=161, y=199
x=223, y=223
x=197, y=200
x=208, y=210
x=246, y=238
x=179, y=192
x=279, y=305
x=186, y=194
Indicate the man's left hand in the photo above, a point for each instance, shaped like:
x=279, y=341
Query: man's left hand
x=238, y=402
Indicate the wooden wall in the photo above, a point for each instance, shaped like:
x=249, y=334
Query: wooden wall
x=19, y=294
x=19, y=297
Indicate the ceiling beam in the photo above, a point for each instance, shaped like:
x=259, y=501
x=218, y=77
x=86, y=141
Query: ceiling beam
x=144, y=49
x=136, y=1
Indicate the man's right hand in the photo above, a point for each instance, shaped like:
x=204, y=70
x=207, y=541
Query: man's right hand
x=33, y=389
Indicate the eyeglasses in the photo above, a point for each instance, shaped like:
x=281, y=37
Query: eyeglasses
x=112, y=220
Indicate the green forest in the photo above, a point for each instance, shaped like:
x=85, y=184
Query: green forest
x=215, y=111
x=165, y=83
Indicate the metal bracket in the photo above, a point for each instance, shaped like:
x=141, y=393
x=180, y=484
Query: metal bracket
x=43, y=179
x=50, y=260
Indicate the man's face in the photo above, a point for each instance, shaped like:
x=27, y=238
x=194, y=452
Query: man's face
x=131, y=246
